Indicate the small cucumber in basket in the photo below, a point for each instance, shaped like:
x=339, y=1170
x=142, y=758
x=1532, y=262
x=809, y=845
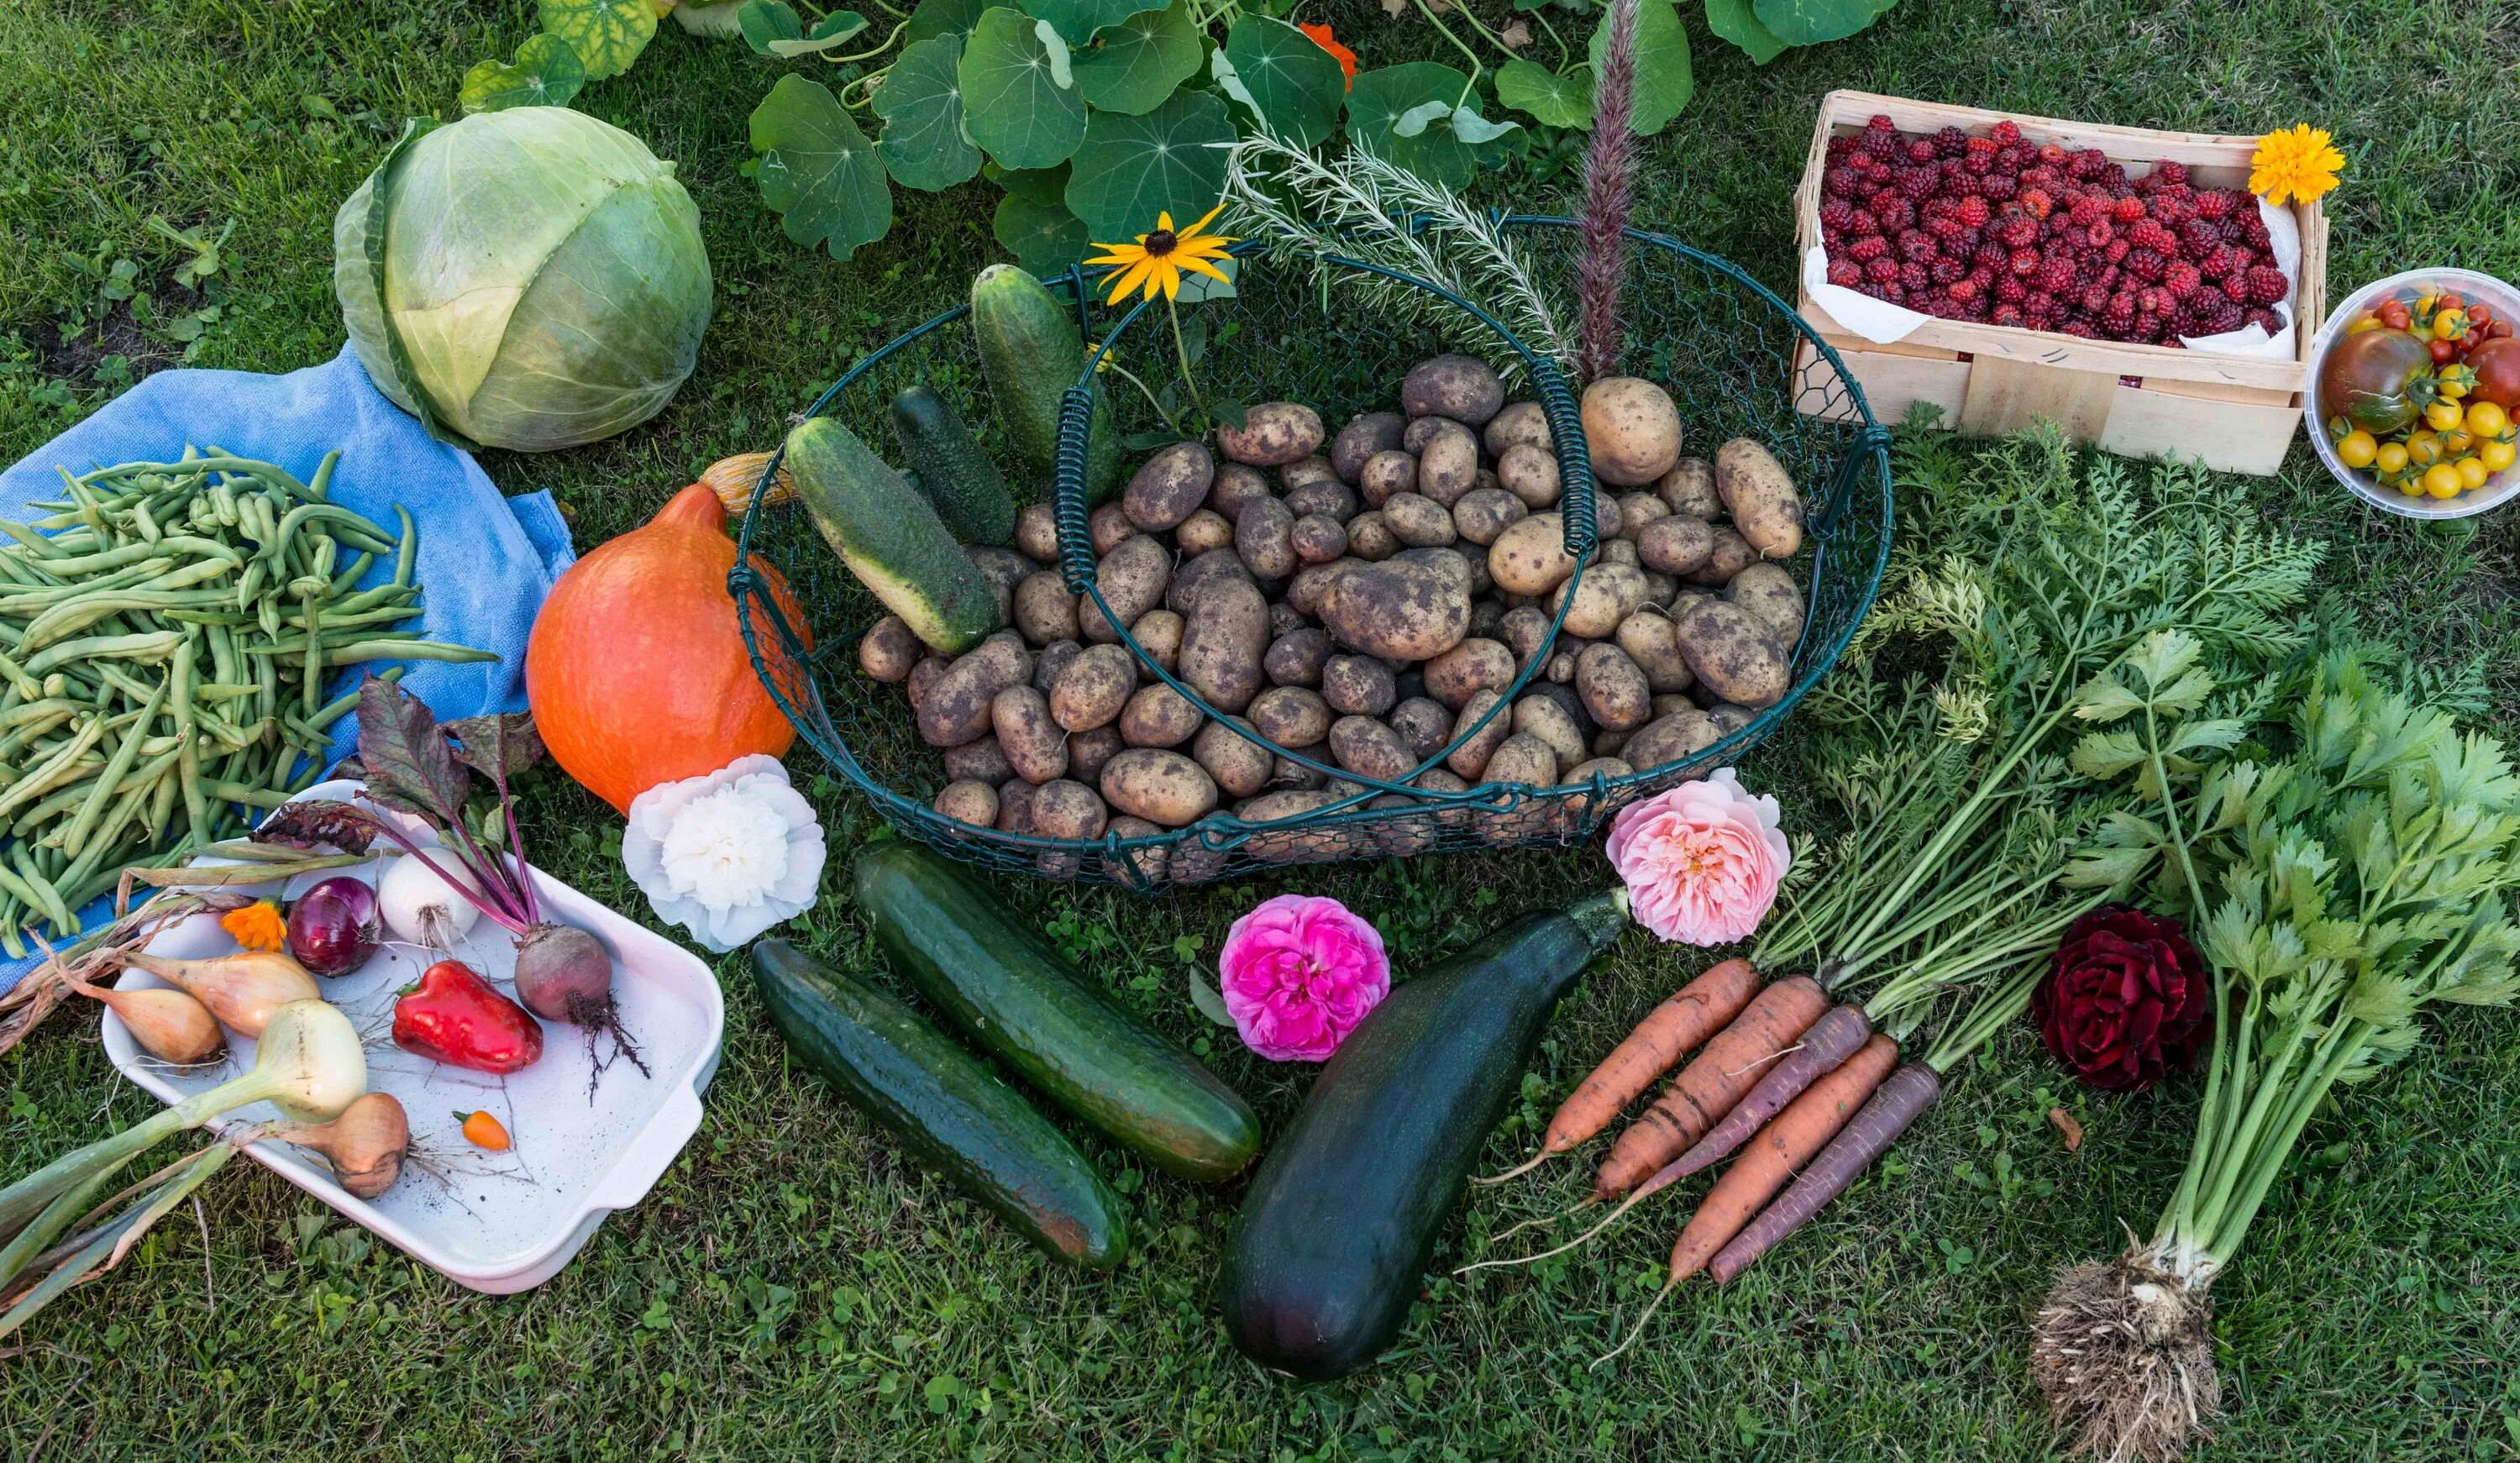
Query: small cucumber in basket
x=1033, y=352
x=947, y=1110
x=951, y=469
x=890, y=537
x=1004, y=985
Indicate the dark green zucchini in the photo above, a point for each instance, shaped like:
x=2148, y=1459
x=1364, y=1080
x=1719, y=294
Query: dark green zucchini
x=950, y=469
x=950, y=1112
x=1007, y=989
x=1342, y=1216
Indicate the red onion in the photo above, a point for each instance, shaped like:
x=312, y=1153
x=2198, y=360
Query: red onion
x=334, y=927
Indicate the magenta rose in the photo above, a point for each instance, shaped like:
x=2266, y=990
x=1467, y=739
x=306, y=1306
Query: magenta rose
x=2127, y=999
x=1299, y=973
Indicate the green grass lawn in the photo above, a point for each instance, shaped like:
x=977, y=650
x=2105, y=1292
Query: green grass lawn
x=792, y=1288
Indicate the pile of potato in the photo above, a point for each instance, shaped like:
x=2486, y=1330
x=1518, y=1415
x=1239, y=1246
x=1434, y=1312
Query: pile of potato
x=1372, y=601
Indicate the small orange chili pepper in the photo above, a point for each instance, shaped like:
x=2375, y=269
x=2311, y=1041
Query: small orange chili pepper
x=483, y=1130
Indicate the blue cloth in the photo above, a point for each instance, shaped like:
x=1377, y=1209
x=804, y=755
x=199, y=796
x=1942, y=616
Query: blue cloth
x=485, y=562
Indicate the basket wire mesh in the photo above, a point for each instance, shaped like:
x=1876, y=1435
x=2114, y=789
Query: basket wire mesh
x=1721, y=345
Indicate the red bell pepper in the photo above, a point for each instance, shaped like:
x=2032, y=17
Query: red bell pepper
x=452, y=1015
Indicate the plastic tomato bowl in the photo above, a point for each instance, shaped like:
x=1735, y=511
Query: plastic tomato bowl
x=498, y=1222
x=2498, y=489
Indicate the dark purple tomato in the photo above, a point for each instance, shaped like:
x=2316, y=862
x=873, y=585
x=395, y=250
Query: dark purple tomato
x=2370, y=380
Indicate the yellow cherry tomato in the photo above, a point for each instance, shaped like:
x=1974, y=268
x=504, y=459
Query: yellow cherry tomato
x=2472, y=473
x=2497, y=456
x=2357, y=449
x=2442, y=416
x=2441, y=479
x=2391, y=457
x=2423, y=449
x=2366, y=323
x=2453, y=443
x=2450, y=325
x=2486, y=420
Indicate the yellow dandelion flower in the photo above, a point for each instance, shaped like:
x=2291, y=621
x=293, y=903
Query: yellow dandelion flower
x=1154, y=263
x=258, y=926
x=2300, y=163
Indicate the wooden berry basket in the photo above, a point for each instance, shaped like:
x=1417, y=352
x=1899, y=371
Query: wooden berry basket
x=2235, y=414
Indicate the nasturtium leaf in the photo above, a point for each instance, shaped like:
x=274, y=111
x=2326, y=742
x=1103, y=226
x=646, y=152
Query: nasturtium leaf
x=1044, y=238
x=1663, y=82
x=1810, y=23
x=1286, y=77
x=1413, y=122
x=936, y=18
x=1042, y=185
x=1552, y=98
x=1013, y=104
x=1062, y=73
x=1381, y=96
x=1735, y=22
x=1078, y=19
x=1131, y=67
x=606, y=35
x=1132, y=168
x=764, y=21
x=816, y=170
x=1476, y=130
x=546, y=73
x=830, y=34
x=921, y=103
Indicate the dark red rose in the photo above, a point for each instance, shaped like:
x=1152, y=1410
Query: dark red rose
x=2126, y=998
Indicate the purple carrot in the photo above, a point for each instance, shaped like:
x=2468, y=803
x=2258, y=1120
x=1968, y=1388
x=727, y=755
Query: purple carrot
x=1831, y=1040
x=1903, y=1097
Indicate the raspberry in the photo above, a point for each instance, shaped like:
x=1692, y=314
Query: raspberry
x=2254, y=233
x=2051, y=155
x=2012, y=158
x=2057, y=274
x=2213, y=206
x=2266, y=320
x=1918, y=276
x=1839, y=147
x=1974, y=212
x=2148, y=326
x=1881, y=145
x=1867, y=249
x=1966, y=185
x=2010, y=290
x=2096, y=298
x=1964, y=289
x=2007, y=313
x=2017, y=231
x=2182, y=281
x=2236, y=230
x=2114, y=178
x=1998, y=186
x=1895, y=214
x=1836, y=213
x=1841, y=182
x=1980, y=157
x=1992, y=257
x=2121, y=313
x=2098, y=234
x=2006, y=133
x=2229, y=318
x=2035, y=201
x=1945, y=270
x=2078, y=327
x=1917, y=183
x=2264, y=284
x=2024, y=262
x=2087, y=209
x=2127, y=210
x=1863, y=223
x=2171, y=173
x=2171, y=209
x=1943, y=226
x=2148, y=234
x=1920, y=151
x=1951, y=142
x=2197, y=238
x=2152, y=299
x=2145, y=265
x=2086, y=164
x=1918, y=246
x=1845, y=274
x=1881, y=269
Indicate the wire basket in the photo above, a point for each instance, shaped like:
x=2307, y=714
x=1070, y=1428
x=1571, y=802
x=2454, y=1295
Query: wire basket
x=1721, y=343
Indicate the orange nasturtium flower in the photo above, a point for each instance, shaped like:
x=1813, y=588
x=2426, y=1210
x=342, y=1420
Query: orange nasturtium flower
x=1323, y=38
x=1156, y=260
x=2298, y=163
x=258, y=926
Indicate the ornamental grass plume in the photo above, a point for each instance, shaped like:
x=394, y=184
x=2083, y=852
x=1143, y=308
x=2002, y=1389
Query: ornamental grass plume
x=1610, y=182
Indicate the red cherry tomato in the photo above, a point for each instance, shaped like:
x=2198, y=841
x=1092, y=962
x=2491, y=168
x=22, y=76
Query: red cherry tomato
x=2442, y=351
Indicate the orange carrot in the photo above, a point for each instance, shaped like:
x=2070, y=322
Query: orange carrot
x=1733, y=1061
x=1788, y=1142
x=1670, y=1031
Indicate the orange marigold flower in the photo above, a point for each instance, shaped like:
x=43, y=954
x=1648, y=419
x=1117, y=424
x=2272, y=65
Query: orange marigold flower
x=258, y=926
x=1323, y=38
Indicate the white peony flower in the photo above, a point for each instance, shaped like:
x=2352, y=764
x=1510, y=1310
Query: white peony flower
x=726, y=856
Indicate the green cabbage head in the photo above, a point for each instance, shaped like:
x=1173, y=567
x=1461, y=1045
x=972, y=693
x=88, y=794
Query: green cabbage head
x=528, y=279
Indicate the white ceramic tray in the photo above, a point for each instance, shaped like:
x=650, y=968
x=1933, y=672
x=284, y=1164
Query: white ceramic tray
x=506, y=1222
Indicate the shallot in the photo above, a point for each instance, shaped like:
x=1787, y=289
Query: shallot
x=243, y=991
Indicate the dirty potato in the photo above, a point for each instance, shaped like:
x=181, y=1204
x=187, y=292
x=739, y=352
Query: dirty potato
x=1462, y=388
x=1676, y=544
x=1158, y=716
x=1482, y=514
x=1052, y=662
x=1319, y=539
x=1222, y=642
x=1418, y=521
x=1728, y=554
x=1265, y=537
x=1448, y=464
x=1525, y=758
x=1237, y=483
x=1291, y=716
x=889, y=650
x=1133, y=578
x=954, y=709
x=1273, y=434
x=1647, y=639
x=979, y=761
x=1770, y=594
x=1296, y=657
x=1093, y=688
x=1037, y=533
x=1529, y=473
x=1386, y=474
x=1690, y=488
x=1363, y=437
x=1733, y=652
x=1542, y=715
x=1158, y=633
x=1613, y=688
x=1169, y=487
x=1108, y=526
x=1045, y=611
x=1473, y=665
x=1203, y=531
x=1014, y=805
x=1036, y=746
x=1088, y=750
x=1669, y=739
x=1760, y=493
x=1608, y=594
x=1238, y=764
x=1530, y=558
x=1632, y=430
x=1518, y=424
x=1369, y=750
x=1162, y=788
x=1193, y=577
x=1065, y=808
x=1369, y=538
x=967, y=802
x=1407, y=609
x=1424, y=724
x=1471, y=757
x=1358, y=686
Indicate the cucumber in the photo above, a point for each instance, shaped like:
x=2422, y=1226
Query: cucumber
x=1341, y=1220
x=1031, y=351
x=943, y=1106
x=889, y=537
x=1007, y=989
x=956, y=476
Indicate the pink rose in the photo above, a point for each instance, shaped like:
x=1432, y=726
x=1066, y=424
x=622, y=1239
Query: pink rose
x=1700, y=861
x=1299, y=973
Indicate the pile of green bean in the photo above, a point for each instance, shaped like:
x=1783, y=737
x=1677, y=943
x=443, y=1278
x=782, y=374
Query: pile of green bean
x=168, y=629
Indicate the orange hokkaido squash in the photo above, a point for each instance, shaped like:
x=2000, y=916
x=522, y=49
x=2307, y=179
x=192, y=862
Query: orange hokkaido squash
x=636, y=668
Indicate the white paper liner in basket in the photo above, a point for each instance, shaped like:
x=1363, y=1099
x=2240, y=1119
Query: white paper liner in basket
x=1883, y=322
